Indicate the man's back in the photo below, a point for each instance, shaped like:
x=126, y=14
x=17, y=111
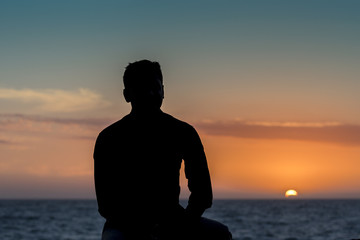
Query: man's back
x=137, y=164
x=137, y=168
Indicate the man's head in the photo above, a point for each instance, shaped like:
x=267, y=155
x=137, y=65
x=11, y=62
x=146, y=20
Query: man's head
x=143, y=82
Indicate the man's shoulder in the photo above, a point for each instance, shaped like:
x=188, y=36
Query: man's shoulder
x=180, y=124
x=167, y=121
x=115, y=127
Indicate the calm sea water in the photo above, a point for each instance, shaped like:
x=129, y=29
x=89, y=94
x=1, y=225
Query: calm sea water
x=247, y=219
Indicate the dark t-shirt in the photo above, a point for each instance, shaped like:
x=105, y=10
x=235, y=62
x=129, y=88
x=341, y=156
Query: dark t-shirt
x=137, y=164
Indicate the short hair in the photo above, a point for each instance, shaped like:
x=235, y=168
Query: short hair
x=141, y=72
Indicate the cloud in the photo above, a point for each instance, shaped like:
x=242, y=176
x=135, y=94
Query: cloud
x=56, y=100
x=32, y=145
x=20, y=128
x=333, y=132
x=5, y=142
x=292, y=124
x=7, y=120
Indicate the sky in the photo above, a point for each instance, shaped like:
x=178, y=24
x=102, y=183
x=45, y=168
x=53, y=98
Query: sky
x=271, y=87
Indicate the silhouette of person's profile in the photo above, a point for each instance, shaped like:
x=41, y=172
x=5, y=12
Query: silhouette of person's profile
x=137, y=165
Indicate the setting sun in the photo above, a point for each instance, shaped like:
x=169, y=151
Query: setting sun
x=291, y=193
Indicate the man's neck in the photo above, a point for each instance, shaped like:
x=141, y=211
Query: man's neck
x=145, y=113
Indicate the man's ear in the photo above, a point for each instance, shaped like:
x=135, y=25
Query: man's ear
x=127, y=95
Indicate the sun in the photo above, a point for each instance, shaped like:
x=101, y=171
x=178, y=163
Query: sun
x=291, y=193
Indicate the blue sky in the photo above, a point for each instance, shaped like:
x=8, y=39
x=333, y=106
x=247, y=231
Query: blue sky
x=277, y=49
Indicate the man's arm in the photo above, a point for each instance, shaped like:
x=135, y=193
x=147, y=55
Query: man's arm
x=102, y=176
x=197, y=173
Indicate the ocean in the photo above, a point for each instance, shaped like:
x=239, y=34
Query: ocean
x=246, y=219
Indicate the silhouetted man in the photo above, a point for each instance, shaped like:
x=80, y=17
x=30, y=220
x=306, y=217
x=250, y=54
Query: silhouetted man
x=137, y=164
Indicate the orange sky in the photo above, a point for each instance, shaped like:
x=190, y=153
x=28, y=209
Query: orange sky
x=48, y=157
x=270, y=167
